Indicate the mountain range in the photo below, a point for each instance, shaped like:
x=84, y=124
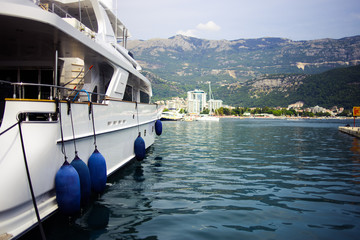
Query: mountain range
x=251, y=72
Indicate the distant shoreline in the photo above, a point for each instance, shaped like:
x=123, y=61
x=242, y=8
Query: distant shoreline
x=295, y=118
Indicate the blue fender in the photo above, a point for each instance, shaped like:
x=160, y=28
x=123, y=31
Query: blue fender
x=98, y=172
x=139, y=148
x=67, y=187
x=85, y=182
x=158, y=127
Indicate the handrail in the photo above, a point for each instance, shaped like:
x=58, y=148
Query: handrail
x=53, y=8
x=22, y=84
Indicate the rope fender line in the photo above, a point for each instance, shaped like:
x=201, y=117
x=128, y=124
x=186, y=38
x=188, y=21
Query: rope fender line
x=137, y=116
x=33, y=198
x=30, y=183
x=58, y=111
x=91, y=112
x=9, y=128
x=69, y=112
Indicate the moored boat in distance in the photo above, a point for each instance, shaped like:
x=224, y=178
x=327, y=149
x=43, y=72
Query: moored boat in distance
x=171, y=116
x=65, y=75
x=205, y=117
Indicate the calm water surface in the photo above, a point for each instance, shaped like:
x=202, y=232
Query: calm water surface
x=233, y=179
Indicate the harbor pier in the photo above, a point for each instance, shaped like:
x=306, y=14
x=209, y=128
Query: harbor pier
x=353, y=131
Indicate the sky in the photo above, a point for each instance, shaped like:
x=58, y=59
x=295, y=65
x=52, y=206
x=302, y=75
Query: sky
x=237, y=19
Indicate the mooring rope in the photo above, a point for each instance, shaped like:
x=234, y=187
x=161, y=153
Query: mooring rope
x=72, y=125
x=58, y=110
x=137, y=116
x=30, y=183
x=28, y=176
x=91, y=111
x=9, y=128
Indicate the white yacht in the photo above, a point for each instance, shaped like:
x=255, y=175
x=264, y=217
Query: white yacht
x=65, y=74
x=172, y=116
x=206, y=117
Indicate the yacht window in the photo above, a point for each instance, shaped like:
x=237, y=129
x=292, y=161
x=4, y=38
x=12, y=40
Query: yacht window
x=128, y=93
x=38, y=117
x=94, y=97
x=144, y=97
x=106, y=74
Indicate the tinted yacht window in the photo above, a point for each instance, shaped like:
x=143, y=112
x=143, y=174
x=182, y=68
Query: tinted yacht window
x=128, y=93
x=144, y=97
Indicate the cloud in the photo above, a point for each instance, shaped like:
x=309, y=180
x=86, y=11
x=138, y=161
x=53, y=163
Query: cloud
x=201, y=28
x=189, y=32
x=209, y=26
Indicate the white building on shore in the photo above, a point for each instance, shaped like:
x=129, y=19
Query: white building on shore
x=214, y=104
x=194, y=104
x=175, y=103
x=196, y=101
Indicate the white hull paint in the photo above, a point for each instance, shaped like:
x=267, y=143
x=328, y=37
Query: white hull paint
x=117, y=125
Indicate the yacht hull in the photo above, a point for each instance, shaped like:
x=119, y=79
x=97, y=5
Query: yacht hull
x=52, y=53
x=117, y=125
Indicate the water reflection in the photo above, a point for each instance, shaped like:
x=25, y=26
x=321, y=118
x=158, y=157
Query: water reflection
x=355, y=148
x=237, y=179
x=98, y=217
x=139, y=174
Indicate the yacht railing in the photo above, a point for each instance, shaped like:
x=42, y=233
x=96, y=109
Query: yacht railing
x=54, y=9
x=76, y=23
x=19, y=91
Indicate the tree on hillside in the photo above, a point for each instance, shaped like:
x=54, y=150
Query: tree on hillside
x=205, y=111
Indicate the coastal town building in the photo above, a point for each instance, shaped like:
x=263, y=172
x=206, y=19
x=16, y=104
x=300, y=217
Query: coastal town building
x=337, y=110
x=176, y=103
x=196, y=101
x=195, y=105
x=296, y=105
x=318, y=109
x=214, y=104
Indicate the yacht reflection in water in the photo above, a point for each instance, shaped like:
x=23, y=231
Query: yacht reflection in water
x=139, y=174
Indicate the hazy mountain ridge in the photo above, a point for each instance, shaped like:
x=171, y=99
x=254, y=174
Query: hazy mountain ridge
x=188, y=59
x=338, y=87
x=260, y=66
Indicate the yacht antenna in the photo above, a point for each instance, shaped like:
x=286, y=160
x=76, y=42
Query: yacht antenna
x=116, y=21
x=79, y=11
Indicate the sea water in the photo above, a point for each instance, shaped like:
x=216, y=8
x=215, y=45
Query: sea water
x=232, y=179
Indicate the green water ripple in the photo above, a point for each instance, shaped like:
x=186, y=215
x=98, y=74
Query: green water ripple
x=236, y=179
